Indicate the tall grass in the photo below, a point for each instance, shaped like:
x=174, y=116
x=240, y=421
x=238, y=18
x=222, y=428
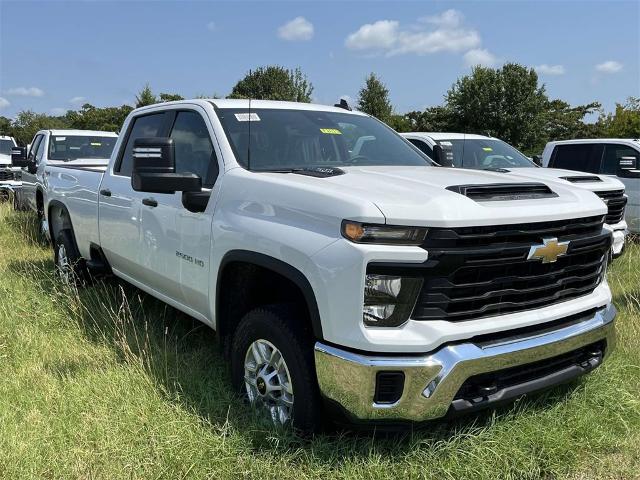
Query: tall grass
x=107, y=382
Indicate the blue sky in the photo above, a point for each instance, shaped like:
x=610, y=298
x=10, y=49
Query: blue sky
x=56, y=55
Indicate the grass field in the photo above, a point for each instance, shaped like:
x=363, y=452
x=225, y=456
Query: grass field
x=110, y=383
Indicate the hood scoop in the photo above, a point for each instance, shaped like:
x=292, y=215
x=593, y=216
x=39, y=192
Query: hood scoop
x=582, y=179
x=497, y=192
x=320, y=172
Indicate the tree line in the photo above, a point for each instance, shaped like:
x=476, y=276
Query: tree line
x=506, y=102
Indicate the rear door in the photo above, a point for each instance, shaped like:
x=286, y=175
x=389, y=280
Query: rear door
x=121, y=236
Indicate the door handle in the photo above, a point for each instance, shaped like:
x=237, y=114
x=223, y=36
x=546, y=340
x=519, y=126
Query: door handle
x=105, y=192
x=150, y=202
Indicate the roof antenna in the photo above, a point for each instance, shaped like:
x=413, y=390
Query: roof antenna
x=249, y=142
x=343, y=104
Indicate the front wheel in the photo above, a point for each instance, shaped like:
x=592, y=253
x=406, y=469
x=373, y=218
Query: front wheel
x=273, y=368
x=70, y=267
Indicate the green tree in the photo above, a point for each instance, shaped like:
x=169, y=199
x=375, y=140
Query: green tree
x=274, y=83
x=145, y=97
x=94, y=118
x=170, y=97
x=624, y=123
x=373, y=99
x=5, y=126
x=561, y=121
x=27, y=123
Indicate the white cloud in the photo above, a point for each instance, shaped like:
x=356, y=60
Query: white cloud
x=440, y=33
x=58, y=111
x=4, y=103
x=449, y=18
x=298, y=29
x=480, y=56
x=77, y=101
x=610, y=66
x=25, y=92
x=550, y=69
x=211, y=26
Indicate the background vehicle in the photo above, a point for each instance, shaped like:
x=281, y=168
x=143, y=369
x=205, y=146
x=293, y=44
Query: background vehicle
x=59, y=147
x=370, y=282
x=9, y=176
x=487, y=153
x=612, y=157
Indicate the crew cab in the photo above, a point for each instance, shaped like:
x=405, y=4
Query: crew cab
x=372, y=283
x=480, y=152
x=9, y=176
x=607, y=158
x=57, y=147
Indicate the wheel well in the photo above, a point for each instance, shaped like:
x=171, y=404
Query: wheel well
x=247, y=284
x=58, y=220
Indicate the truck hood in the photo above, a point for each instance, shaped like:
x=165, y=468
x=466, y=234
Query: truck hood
x=419, y=196
x=558, y=175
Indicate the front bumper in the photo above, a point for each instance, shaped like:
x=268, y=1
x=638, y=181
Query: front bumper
x=432, y=381
x=619, y=233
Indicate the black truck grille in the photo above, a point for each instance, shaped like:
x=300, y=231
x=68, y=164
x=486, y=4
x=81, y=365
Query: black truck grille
x=6, y=175
x=476, y=272
x=616, y=202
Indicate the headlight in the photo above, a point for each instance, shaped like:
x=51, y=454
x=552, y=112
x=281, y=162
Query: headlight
x=382, y=234
x=389, y=300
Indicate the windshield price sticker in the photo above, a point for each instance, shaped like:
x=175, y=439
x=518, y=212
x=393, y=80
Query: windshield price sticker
x=60, y=139
x=247, y=117
x=487, y=149
x=331, y=131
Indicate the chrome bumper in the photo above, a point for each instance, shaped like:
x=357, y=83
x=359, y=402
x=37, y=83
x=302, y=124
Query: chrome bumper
x=432, y=381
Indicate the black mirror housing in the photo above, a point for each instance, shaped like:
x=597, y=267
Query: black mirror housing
x=443, y=156
x=537, y=159
x=629, y=167
x=19, y=157
x=154, y=168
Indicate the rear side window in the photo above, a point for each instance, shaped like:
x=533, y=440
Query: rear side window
x=143, y=127
x=422, y=146
x=582, y=157
x=193, y=148
x=612, y=155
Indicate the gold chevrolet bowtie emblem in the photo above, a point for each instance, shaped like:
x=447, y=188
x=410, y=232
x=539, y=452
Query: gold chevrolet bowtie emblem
x=549, y=251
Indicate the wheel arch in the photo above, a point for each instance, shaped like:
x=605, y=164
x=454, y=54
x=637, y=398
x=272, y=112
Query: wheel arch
x=275, y=266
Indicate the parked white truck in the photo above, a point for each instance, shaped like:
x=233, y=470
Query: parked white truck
x=9, y=175
x=371, y=283
x=57, y=147
x=607, y=158
x=487, y=153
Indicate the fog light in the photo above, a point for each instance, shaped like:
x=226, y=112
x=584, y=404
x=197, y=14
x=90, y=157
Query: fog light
x=389, y=300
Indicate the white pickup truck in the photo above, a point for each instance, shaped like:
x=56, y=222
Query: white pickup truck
x=487, y=153
x=9, y=175
x=372, y=284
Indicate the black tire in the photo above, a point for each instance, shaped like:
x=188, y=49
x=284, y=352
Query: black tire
x=284, y=327
x=70, y=267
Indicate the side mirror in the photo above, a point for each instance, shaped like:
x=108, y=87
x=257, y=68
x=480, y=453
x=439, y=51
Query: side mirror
x=443, y=155
x=629, y=167
x=154, y=168
x=537, y=159
x=19, y=157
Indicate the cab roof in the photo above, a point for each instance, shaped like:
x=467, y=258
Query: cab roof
x=450, y=136
x=76, y=133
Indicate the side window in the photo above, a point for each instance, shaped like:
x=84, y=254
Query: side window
x=34, y=146
x=582, y=157
x=143, y=127
x=422, y=146
x=40, y=150
x=612, y=155
x=193, y=149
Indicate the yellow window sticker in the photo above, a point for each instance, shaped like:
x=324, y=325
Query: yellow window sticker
x=487, y=149
x=331, y=131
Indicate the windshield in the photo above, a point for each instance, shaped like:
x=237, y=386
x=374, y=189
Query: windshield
x=485, y=154
x=296, y=139
x=5, y=147
x=67, y=148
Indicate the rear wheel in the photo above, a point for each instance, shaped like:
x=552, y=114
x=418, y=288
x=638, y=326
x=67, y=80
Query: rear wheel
x=70, y=267
x=273, y=367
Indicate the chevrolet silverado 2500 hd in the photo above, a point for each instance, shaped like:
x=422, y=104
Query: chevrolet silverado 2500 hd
x=369, y=281
x=57, y=147
x=9, y=175
x=488, y=153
